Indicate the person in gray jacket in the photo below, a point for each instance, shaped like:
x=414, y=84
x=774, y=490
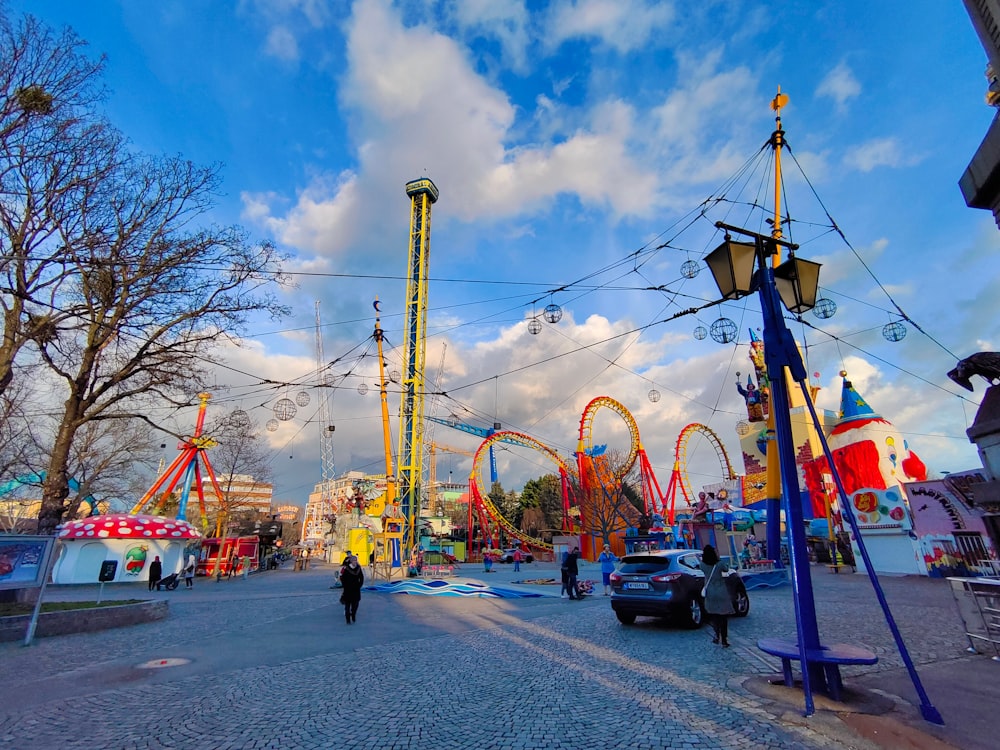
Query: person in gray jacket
x=718, y=602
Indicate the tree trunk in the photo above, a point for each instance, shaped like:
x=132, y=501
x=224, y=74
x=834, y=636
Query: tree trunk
x=55, y=490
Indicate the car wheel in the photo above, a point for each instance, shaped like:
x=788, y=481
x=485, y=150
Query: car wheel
x=694, y=614
x=625, y=618
x=741, y=603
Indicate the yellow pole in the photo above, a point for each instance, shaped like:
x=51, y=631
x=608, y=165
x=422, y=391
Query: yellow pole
x=390, y=482
x=773, y=487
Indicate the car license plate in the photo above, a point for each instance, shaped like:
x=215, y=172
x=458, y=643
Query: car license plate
x=637, y=586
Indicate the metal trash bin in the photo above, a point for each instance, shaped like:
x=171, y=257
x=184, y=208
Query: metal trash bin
x=978, y=601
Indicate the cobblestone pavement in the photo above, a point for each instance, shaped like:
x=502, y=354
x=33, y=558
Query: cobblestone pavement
x=274, y=665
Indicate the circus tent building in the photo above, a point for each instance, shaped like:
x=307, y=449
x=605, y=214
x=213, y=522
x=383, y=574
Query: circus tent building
x=874, y=463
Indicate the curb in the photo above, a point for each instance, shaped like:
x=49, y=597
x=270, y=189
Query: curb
x=14, y=628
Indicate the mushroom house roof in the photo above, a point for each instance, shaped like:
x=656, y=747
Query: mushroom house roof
x=125, y=526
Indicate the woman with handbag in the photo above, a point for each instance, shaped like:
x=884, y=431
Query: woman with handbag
x=717, y=601
x=353, y=578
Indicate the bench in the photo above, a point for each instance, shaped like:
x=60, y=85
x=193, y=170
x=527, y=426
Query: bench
x=831, y=656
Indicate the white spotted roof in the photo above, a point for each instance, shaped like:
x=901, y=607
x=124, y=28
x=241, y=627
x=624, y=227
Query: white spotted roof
x=125, y=526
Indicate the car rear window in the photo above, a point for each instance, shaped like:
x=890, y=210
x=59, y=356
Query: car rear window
x=643, y=564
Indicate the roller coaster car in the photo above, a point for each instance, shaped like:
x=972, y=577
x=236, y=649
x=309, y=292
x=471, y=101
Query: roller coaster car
x=508, y=556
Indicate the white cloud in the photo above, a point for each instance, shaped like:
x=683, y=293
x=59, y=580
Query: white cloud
x=879, y=152
x=623, y=25
x=506, y=21
x=426, y=93
x=281, y=43
x=839, y=84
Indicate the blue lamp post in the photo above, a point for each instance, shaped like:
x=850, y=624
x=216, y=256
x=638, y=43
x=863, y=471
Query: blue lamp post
x=795, y=284
x=732, y=265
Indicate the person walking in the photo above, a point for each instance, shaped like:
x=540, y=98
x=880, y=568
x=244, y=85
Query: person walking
x=353, y=578
x=517, y=560
x=572, y=571
x=564, y=590
x=155, y=572
x=718, y=603
x=189, y=572
x=607, y=560
x=487, y=562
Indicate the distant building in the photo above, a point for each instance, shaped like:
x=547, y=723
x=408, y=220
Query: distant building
x=241, y=494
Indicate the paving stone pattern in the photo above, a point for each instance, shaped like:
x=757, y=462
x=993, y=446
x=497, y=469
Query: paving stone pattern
x=438, y=673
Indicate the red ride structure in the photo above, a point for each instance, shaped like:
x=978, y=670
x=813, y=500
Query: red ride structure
x=490, y=518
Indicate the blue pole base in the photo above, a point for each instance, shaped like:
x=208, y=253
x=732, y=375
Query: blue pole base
x=932, y=715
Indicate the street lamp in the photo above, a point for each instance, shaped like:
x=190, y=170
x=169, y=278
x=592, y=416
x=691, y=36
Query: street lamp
x=732, y=268
x=795, y=283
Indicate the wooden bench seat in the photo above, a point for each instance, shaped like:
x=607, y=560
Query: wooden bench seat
x=831, y=656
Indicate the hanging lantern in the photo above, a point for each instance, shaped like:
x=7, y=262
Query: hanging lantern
x=302, y=398
x=825, y=308
x=534, y=326
x=742, y=428
x=240, y=418
x=690, y=269
x=553, y=313
x=894, y=331
x=700, y=332
x=363, y=389
x=271, y=425
x=653, y=395
x=285, y=409
x=723, y=331
x=394, y=376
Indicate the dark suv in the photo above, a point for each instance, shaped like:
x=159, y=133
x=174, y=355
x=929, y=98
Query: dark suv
x=667, y=583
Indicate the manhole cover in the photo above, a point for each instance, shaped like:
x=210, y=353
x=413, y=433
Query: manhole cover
x=162, y=663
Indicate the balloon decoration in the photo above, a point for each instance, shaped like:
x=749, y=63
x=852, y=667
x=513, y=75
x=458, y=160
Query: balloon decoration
x=534, y=326
x=825, y=308
x=723, y=331
x=302, y=398
x=653, y=395
x=553, y=313
x=690, y=269
x=700, y=332
x=271, y=425
x=285, y=409
x=363, y=388
x=894, y=331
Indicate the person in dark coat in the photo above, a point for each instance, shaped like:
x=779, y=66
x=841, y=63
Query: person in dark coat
x=718, y=602
x=155, y=572
x=353, y=578
x=572, y=571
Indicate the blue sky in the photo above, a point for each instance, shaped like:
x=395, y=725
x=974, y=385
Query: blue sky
x=565, y=137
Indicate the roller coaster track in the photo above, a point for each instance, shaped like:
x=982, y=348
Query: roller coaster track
x=488, y=511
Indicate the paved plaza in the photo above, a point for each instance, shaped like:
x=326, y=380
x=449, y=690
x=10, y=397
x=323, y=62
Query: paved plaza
x=268, y=662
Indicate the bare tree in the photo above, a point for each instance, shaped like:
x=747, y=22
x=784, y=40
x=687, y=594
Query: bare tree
x=105, y=458
x=20, y=455
x=153, y=295
x=54, y=148
x=606, y=505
